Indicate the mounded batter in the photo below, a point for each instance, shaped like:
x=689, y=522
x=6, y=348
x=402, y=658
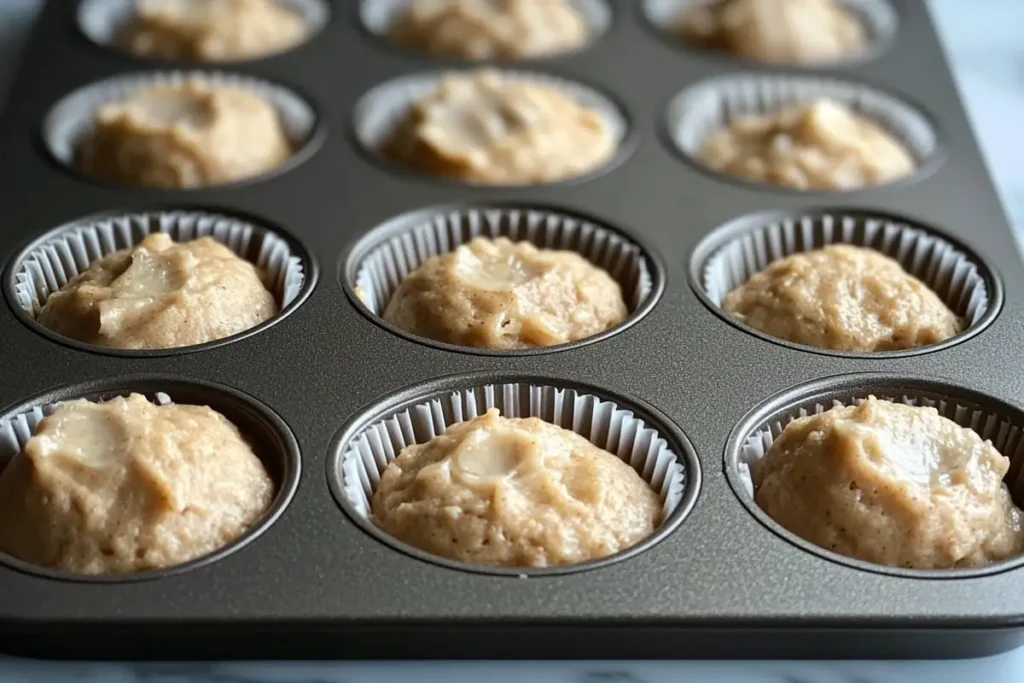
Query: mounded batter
x=498, y=294
x=490, y=29
x=126, y=485
x=211, y=30
x=819, y=145
x=186, y=135
x=160, y=294
x=775, y=31
x=891, y=484
x=514, y=493
x=844, y=298
x=482, y=127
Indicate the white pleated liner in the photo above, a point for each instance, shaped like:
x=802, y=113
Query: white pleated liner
x=379, y=15
x=380, y=111
x=16, y=430
x=382, y=270
x=49, y=266
x=701, y=109
x=947, y=271
x=877, y=16
x=605, y=424
x=1006, y=435
x=72, y=118
x=100, y=20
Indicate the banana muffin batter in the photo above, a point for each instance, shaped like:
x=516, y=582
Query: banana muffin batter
x=490, y=29
x=514, y=493
x=843, y=298
x=502, y=295
x=211, y=30
x=186, y=135
x=484, y=128
x=775, y=31
x=819, y=145
x=126, y=485
x=160, y=294
x=891, y=484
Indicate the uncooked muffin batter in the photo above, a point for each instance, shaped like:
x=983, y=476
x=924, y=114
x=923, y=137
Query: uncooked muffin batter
x=186, y=135
x=126, y=485
x=844, y=298
x=482, y=127
x=515, y=493
x=776, y=31
x=503, y=295
x=211, y=30
x=489, y=29
x=821, y=145
x=159, y=295
x=891, y=484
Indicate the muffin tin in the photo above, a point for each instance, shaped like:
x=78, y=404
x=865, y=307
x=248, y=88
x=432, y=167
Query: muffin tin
x=721, y=579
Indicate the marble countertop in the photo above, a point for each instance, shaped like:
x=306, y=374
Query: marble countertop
x=984, y=41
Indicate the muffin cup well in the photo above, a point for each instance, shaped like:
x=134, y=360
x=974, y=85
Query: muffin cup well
x=100, y=21
x=993, y=419
x=701, y=109
x=730, y=256
x=379, y=16
x=71, y=119
x=878, y=17
x=382, y=110
x=270, y=438
x=381, y=260
x=51, y=262
x=657, y=452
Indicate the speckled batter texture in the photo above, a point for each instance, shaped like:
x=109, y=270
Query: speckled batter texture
x=891, y=484
x=775, y=31
x=502, y=295
x=515, y=493
x=126, y=485
x=160, y=294
x=843, y=298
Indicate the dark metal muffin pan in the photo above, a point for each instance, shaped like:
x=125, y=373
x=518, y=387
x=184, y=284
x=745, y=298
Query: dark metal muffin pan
x=315, y=584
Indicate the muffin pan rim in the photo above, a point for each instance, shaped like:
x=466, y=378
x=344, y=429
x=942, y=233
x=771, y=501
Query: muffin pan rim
x=326, y=7
x=360, y=247
x=544, y=73
x=302, y=151
x=287, y=449
x=926, y=167
x=858, y=385
x=419, y=392
x=738, y=226
x=878, y=47
x=613, y=12
x=10, y=269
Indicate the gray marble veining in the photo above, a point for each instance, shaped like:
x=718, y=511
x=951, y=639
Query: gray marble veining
x=985, y=42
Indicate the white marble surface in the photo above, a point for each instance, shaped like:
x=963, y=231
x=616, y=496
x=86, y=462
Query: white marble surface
x=986, y=42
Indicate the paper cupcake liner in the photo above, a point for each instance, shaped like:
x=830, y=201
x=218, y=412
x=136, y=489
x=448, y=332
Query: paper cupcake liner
x=16, y=430
x=70, y=250
x=380, y=271
x=608, y=425
x=994, y=421
x=877, y=16
x=701, y=109
x=100, y=20
x=380, y=111
x=72, y=118
x=379, y=15
x=962, y=282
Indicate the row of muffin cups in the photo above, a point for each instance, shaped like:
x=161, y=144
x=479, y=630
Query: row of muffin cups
x=689, y=118
x=101, y=20
x=637, y=433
